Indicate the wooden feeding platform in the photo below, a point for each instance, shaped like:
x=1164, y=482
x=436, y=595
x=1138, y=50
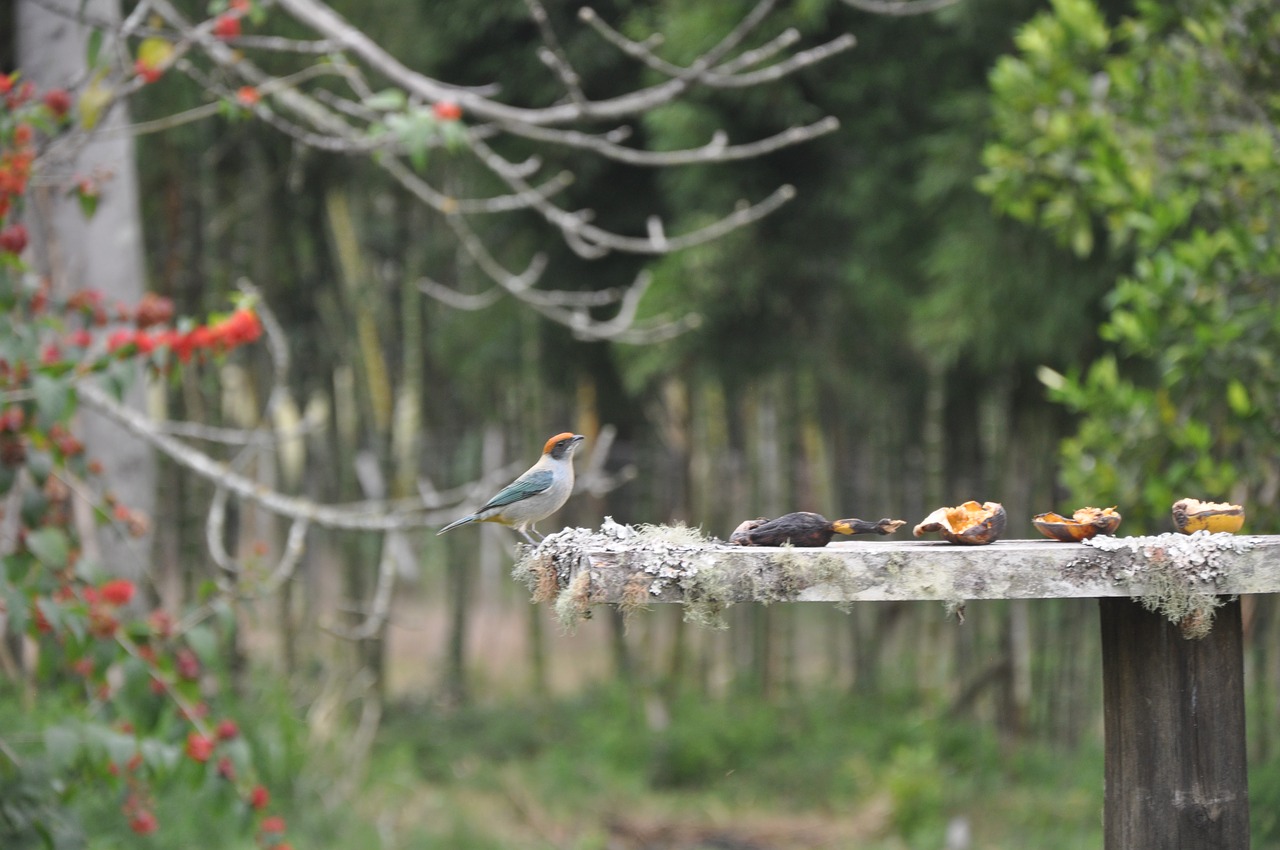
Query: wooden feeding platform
x=1173, y=665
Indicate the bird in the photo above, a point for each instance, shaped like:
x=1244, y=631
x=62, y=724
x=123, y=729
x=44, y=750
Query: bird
x=536, y=494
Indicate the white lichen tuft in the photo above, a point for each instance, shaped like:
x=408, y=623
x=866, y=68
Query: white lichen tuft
x=669, y=558
x=574, y=602
x=1181, y=572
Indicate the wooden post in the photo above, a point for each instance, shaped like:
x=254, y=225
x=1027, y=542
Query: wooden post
x=1174, y=712
x=1174, y=708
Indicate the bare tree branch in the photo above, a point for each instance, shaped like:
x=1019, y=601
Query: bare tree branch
x=289, y=507
x=900, y=7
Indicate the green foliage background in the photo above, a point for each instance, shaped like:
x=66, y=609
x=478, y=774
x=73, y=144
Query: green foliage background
x=1037, y=264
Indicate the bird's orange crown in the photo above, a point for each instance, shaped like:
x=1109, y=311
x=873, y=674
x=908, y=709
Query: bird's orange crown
x=564, y=435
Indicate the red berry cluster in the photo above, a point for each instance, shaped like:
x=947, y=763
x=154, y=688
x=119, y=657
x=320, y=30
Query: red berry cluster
x=86, y=629
x=221, y=336
x=227, y=25
x=148, y=71
x=447, y=110
x=18, y=119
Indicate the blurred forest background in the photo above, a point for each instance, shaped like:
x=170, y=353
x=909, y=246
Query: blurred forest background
x=1035, y=264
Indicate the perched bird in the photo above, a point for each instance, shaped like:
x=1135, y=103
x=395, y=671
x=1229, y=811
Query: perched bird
x=536, y=494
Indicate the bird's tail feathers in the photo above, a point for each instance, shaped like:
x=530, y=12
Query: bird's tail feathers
x=457, y=522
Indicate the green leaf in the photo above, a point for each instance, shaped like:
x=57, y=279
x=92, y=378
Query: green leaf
x=34, y=505
x=204, y=642
x=93, y=48
x=89, y=570
x=50, y=546
x=159, y=756
x=119, y=375
x=1238, y=398
x=120, y=747
x=53, y=399
x=418, y=156
x=206, y=590
x=387, y=100
x=8, y=475
x=18, y=613
x=62, y=744
x=88, y=202
x=40, y=465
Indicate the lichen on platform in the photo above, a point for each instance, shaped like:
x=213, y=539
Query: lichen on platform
x=1182, y=572
x=664, y=554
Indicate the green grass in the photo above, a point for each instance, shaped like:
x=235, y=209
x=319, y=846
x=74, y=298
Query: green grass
x=896, y=771
x=620, y=768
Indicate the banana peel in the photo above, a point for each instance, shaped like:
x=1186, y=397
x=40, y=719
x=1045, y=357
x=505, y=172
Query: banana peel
x=1192, y=515
x=1081, y=525
x=970, y=524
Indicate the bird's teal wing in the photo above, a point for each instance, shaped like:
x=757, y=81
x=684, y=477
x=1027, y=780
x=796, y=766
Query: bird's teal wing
x=530, y=484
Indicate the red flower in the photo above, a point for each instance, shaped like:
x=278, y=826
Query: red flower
x=12, y=419
x=161, y=623
x=274, y=824
x=143, y=822
x=199, y=748
x=447, y=110
x=241, y=6
x=102, y=624
x=197, y=338
x=153, y=310
x=240, y=327
x=145, y=342
x=85, y=299
x=148, y=72
x=259, y=797
x=13, y=238
x=23, y=93
x=58, y=102
x=50, y=354
x=227, y=26
x=248, y=96
x=6, y=82
x=119, y=339
x=80, y=338
x=187, y=663
x=118, y=591
x=23, y=134
x=226, y=769
x=227, y=730
x=246, y=326
x=42, y=622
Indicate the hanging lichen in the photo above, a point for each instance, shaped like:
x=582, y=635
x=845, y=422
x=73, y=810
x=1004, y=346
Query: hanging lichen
x=1181, y=573
x=672, y=562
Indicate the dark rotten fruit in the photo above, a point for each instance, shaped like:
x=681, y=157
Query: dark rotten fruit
x=805, y=529
x=1083, y=524
x=971, y=523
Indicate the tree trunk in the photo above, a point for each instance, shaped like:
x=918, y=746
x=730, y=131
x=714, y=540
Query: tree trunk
x=104, y=252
